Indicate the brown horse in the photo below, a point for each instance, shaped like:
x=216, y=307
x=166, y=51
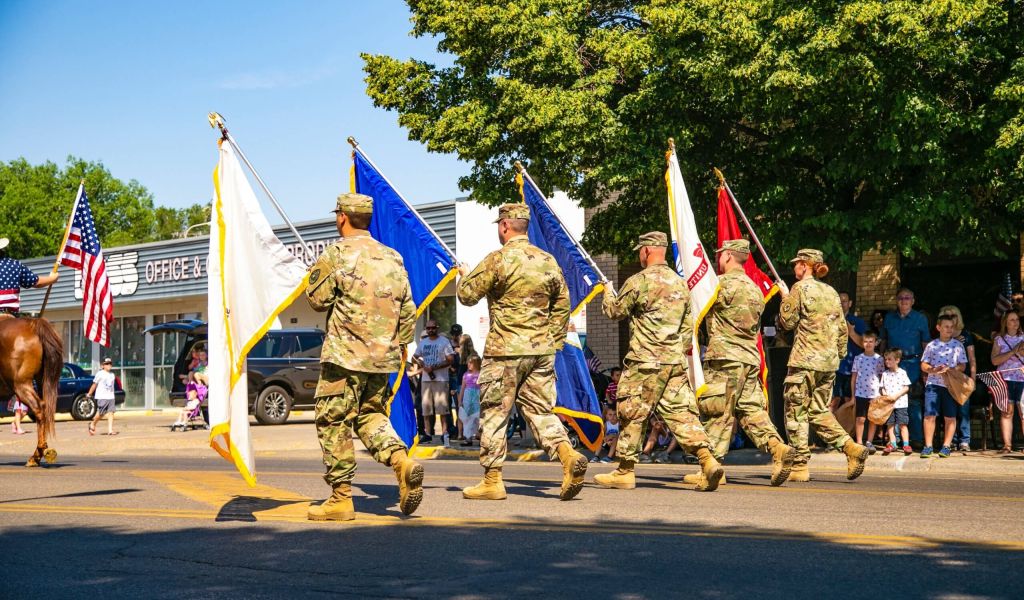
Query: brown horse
x=31, y=349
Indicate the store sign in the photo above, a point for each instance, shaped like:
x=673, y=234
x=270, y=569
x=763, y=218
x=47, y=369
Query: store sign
x=179, y=268
x=311, y=251
x=122, y=274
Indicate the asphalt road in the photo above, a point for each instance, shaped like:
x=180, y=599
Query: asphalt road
x=181, y=523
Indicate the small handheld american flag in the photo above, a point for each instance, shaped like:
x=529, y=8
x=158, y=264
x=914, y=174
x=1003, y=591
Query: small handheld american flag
x=83, y=252
x=997, y=387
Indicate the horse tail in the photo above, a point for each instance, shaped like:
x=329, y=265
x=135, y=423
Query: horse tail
x=53, y=363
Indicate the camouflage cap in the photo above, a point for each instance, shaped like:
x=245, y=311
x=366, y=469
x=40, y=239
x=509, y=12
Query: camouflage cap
x=4, y=242
x=740, y=246
x=809, y=255
x=354, y=203
x=652, y=238
x=517, y=210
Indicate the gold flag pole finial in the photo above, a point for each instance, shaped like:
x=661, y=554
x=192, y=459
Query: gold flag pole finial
x=352, y=142
x=217, y=122
x=721, y=178
x=519, y=166
x=672, y=144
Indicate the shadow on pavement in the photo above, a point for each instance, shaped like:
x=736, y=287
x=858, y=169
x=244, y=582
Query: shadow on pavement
x=608, y=559
x=77, y=495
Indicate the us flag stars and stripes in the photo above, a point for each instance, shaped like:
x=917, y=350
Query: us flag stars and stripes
x=13, y=277
x=83, y=252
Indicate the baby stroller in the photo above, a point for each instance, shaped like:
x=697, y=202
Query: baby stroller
x=191, y=416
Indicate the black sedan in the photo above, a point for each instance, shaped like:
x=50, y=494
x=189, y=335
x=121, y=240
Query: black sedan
x=71, y=395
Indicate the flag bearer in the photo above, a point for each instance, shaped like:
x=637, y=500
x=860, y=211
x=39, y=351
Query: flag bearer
x=733, y=366
x=13, y=277
x=528, y=304
x=813, y=310
x=363, y=286
x=657, y=303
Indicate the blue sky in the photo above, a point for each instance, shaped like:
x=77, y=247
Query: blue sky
x=130, y=84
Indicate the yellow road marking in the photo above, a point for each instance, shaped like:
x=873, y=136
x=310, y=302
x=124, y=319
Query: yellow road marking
x=363, y=519
x=219, y=490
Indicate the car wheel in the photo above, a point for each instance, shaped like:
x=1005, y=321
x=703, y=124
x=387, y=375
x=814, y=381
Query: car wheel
x=273, y=405
x=83, y=408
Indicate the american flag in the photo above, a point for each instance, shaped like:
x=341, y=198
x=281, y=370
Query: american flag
x=1003, y=302
x=83, y=252
x=997, y=387
x=13, y=277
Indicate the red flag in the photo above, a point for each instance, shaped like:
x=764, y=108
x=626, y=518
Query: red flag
x=729, y=229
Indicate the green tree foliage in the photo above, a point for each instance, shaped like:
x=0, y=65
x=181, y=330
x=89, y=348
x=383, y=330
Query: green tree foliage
x=36, y=200
x=838, y=124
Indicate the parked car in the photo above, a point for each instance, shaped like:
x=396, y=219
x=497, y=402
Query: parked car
x=282, y=368
x=72, y=393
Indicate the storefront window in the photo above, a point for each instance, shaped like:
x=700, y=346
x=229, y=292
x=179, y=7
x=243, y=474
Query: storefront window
x=442, y=310
x=77, y=346
x=165, y=352
x=127, y=350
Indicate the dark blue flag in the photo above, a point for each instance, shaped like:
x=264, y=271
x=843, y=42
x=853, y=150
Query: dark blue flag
x=428, y=261
x=576, y=399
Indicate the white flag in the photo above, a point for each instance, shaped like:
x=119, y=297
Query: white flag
x=691, y=261
x=252, y=278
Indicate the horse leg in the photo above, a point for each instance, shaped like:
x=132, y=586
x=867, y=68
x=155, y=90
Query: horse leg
x=27, y=394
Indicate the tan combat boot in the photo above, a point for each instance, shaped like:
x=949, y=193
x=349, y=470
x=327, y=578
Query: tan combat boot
x=782, y=461
x=410, y=481
x=491, y=488
x=799, y=473
x=336, y=508
x=623, y=478
x=574, y=467
x=711, y=471
x=698, y=479
x=855, y=457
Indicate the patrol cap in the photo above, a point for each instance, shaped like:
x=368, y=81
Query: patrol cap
x=652, y=238
x=4, y=242
x=740, y=246
x=517, y=210
x=355, y=203
x=108, y=361
x=809, y=255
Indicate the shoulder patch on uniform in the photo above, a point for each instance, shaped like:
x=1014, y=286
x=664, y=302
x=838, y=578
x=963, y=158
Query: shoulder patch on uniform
x=314, y=276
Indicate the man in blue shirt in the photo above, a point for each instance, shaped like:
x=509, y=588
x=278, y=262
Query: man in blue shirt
x=13, y=277
x=907, y=329
x=856, y=327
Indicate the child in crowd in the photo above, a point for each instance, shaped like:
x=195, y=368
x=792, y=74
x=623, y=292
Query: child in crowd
x=611, y=436
x=896, y=384
x=612, y=391
x=864, y=381
x=660, y=442
x=469, y=401
x=19, y=409
x=941, y=355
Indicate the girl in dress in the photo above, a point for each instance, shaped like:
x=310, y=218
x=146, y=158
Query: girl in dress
x=19, y=409
x=469, y=401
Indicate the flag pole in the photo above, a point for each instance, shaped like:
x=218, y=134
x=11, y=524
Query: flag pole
x=216, y=120
x=63, y=244
x=355, y=148
x=753, y=236
x=526, y=175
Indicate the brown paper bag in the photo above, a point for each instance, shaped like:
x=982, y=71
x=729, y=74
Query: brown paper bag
x=846, y=414
x=960, y=386
x=880, y=409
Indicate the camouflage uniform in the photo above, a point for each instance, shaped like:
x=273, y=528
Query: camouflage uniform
x=364, y=288
x=655, y=377
x=733, y=365
x=813, y=310
x=528, y=305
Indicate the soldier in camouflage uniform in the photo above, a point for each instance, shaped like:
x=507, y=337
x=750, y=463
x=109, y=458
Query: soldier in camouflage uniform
x=657, y=303
x=812, y=309
x=364, y=288
x=528, y=304
x=733, y=366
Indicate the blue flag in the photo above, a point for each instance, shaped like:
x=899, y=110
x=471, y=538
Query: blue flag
x=576, y=399
x=428, y=261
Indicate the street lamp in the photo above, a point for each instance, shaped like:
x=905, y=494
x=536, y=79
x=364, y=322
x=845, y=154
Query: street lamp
x=191, y=227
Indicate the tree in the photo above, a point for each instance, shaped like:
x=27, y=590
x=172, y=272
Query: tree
x=36, y=200
x=839, y=124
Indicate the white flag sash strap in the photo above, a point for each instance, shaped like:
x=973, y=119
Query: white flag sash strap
x=691, y=260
